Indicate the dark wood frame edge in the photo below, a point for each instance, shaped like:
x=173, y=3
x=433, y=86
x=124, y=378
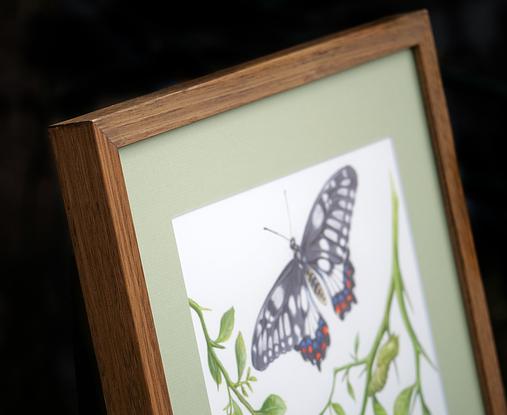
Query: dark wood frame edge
x=110, y=270
x=460, y=232
x=86, y=152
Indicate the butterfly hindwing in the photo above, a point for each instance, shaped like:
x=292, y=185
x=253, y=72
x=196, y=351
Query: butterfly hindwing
x=326, y=236
x=289, y=320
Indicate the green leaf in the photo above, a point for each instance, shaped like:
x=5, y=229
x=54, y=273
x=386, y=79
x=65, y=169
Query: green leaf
x=214, y=369
x=193, y=304
x=338, y=409
x=350, y=390
x=356, y=344
x=226, y=326
x=240, y=355
x=402, y=403
x=378, y=409
x=236, y=410
x=273, y=405
x=425, y=410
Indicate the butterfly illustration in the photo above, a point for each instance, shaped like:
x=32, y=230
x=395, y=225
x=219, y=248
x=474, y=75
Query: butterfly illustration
x=320, y=270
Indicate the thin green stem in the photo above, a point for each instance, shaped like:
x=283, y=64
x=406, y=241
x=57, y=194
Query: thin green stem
x=416, y=344
x=336, y=371
x=230, y=384
x=400, y=289
x=241, y=383
x=229, y=409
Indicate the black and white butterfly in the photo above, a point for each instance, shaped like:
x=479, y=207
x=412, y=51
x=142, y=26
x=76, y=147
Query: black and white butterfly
x=320, y=270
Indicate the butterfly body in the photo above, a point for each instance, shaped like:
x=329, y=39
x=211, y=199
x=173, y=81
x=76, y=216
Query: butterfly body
x=320, y=272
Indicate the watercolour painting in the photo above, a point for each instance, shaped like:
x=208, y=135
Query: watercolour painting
x=306, y=296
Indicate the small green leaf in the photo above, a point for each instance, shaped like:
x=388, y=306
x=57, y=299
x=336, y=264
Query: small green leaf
x=425, y=410
x=338, y=409
x=402, y=403
x=193, y=304
x=350, y=390
x=356, y=344
x=378, y=409
x=226, y=326
x=236, y=410
x=240, y=355
x=345, y=375
x=252, y=379
x=214, y=369
x=273, y=405
x=243, y=390
x=249, y=386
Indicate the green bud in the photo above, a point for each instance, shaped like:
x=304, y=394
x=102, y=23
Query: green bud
x=386, y=355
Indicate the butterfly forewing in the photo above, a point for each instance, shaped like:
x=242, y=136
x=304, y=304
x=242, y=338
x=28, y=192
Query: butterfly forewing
x=326, y=237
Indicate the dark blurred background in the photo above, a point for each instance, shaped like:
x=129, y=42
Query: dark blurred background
x=59, y=59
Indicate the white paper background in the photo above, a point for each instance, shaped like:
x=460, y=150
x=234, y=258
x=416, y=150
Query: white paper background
x=228, y=260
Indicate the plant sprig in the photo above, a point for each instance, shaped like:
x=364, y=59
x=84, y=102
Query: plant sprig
x=382, y=352
x=236, y=391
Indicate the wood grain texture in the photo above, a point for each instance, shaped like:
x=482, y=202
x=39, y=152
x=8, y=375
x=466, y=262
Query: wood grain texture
x=86, y=151
x=110, y=271
x=459, y=225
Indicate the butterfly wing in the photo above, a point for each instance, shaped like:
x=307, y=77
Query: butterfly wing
x=289, y=320
x=326, y=237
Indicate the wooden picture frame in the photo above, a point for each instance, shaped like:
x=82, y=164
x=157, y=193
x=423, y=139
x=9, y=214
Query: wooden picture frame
x=87, y=148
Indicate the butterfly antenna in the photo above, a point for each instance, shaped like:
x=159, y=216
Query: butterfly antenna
x=288, y=212
x=276, y=233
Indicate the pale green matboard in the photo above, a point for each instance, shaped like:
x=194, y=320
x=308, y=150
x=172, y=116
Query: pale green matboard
x=195, y=165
